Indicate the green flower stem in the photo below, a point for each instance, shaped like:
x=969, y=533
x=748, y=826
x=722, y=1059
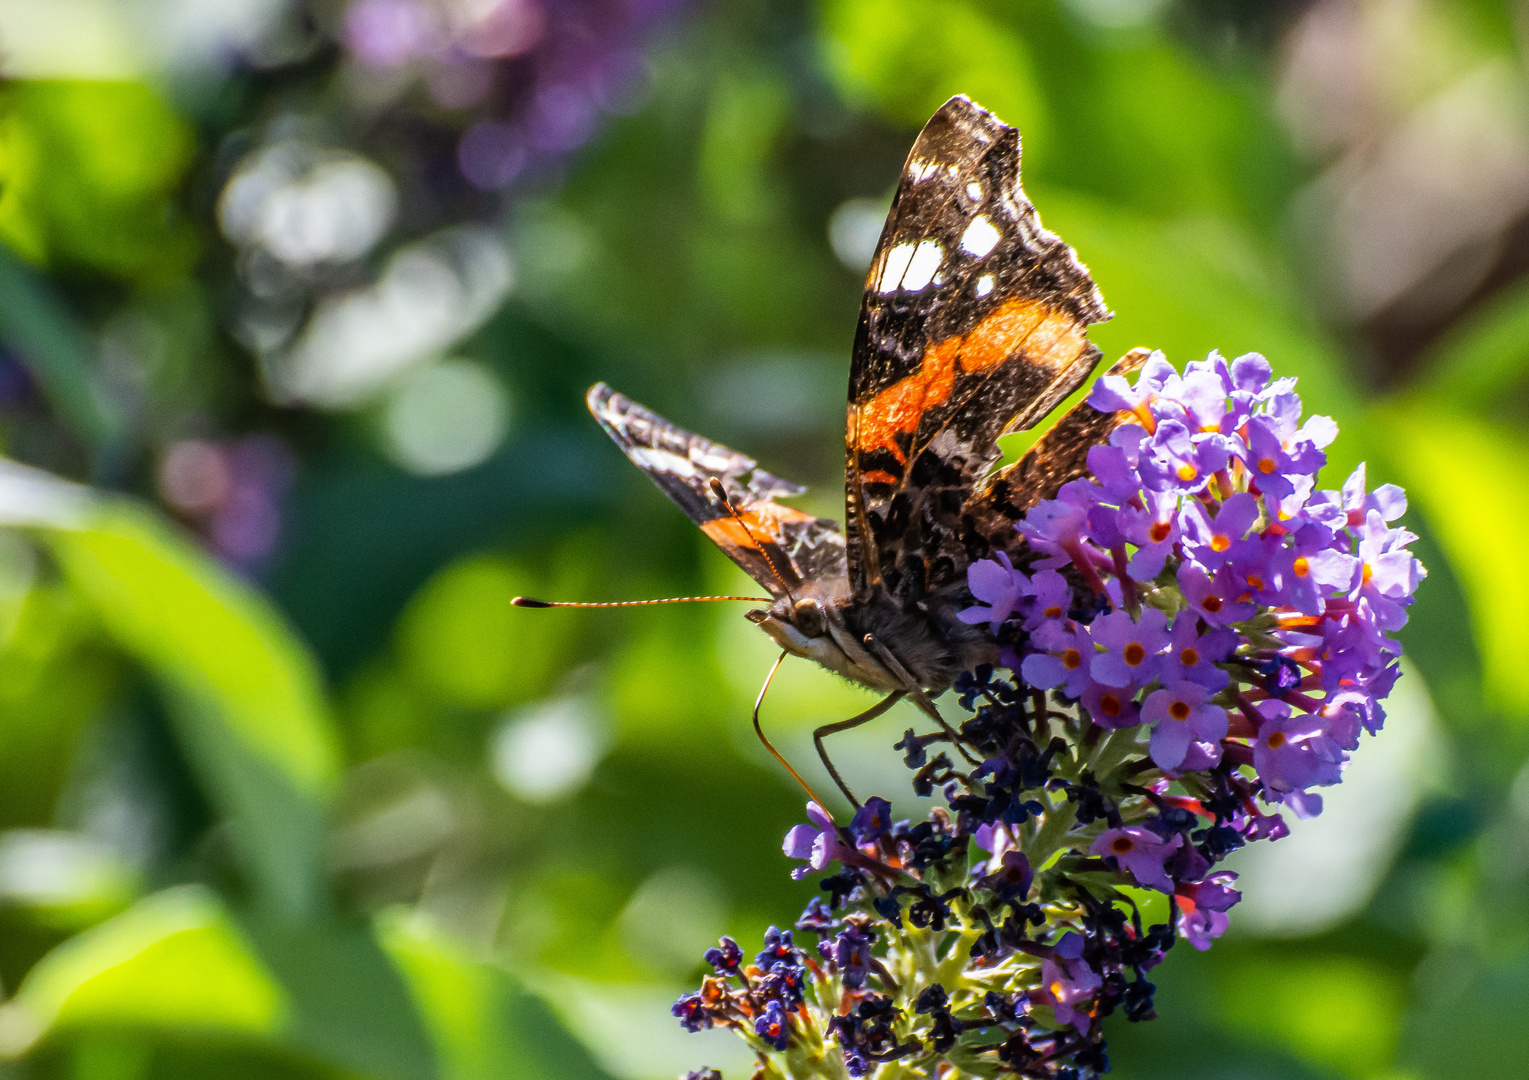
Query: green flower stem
x=1113, y=750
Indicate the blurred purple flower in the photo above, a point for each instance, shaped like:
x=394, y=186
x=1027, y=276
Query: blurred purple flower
x=386, y=33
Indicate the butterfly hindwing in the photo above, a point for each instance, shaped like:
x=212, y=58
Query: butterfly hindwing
x=1058, y=456
x=778, y=546
x=973, y=323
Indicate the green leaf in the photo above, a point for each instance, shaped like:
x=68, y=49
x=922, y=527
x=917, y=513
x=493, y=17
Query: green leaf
x=55, y=348
x=90, y=171
x=349, y=1002
x=1470, y=479
x=486, y=1026
x=175, y=961
x=1468, y=1020
x=1333, y=1011
x=246, y=697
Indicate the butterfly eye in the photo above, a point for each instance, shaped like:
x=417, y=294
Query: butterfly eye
x=808, y=617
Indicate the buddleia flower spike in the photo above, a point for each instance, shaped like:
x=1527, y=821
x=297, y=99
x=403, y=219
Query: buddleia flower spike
x=1193, y=640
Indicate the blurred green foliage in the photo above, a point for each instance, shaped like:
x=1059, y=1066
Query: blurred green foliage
x=345, y=812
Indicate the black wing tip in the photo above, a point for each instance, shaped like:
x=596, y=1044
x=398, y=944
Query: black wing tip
x=598, y=395
x=956, y=126
x=959, y=105
x=966, y=115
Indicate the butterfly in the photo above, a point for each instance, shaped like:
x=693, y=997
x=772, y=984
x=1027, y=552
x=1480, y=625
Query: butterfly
x=973, y=325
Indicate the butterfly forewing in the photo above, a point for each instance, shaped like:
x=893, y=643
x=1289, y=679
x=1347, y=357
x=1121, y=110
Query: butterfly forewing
x=778, y=546
x=972, y=324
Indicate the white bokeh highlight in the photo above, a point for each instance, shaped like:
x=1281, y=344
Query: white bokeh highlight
x=549, y=750
x=445, y=418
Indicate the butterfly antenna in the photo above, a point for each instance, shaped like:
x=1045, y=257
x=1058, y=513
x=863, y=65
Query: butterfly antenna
x=720, y=493
x=526, y=601
x=813, y=795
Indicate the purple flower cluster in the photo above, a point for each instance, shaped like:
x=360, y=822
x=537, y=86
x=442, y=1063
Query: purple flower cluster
x=1244, y=612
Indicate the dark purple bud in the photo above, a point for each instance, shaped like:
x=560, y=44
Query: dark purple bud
x=692, y=1013
x=851, y=951
x=778, y=949
x=726, y=957
x=773, y=1026
x=818, y=918
x=1280, y=674
x=914, y=755
x=872, y=821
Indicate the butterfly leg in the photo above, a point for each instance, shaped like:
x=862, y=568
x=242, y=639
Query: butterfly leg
x=813, y=795
x=844, y=725
x=919, y=698
x=926, y=706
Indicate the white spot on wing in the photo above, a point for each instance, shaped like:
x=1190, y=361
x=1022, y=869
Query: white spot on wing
x=662, y=461
x=892, y=268
x=985, y=284
x=713, y=461
x=974, y=191
x=980, y=237
x=919, y=171
x=924, y=265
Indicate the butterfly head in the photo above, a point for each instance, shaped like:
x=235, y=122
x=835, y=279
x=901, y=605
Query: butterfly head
x=813, y=628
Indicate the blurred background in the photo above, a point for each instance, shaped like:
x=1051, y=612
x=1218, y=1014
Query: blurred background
x=298, y=303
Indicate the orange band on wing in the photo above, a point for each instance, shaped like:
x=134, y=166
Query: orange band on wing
x=729, y=533
x=1003, y=333
x=1050, y=338
x=764, y=521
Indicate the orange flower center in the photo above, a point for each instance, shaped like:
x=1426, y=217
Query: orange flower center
x=1188, y=472
x=1275, y=740
x=1211, y=604
x=1053, y=612
x=1133, y=653
x=1071, y=658
x=1190, y=656
x=1255, y=581
x=1266, y=465
x=1179, y=710
x=1302, y=567
x=1160, y=532
x=1369, y=572
x=1110, y=705
x=1122, y=845
x=1220, y=542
